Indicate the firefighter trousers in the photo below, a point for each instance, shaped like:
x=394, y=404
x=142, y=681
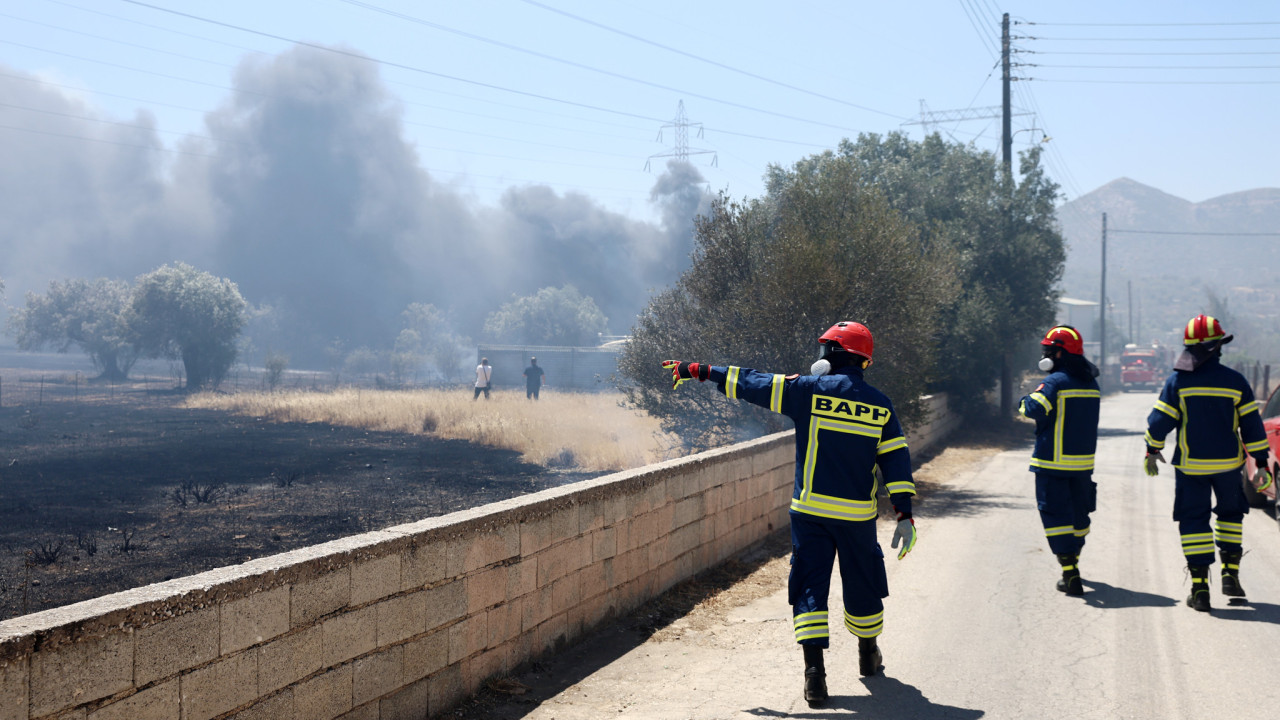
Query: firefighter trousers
x=1065, y=502
x=815, y=544
x=1191, y=508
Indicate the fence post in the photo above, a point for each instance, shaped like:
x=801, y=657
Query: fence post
x=1266, y=382
x=1257, y=366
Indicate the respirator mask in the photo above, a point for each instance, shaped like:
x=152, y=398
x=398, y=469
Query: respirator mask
x=823, y=365
x=1046, y=362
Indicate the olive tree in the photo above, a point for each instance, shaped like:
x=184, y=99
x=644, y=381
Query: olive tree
x=769, y=275
x=89, y=315
x=181, y=312
x=551, y=316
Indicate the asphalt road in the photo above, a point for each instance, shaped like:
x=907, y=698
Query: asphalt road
x=975, y=629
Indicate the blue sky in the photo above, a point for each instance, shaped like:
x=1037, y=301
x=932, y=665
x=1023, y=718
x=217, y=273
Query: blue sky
x=593, y=132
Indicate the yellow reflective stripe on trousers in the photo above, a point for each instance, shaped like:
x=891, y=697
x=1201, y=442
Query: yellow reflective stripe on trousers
x=867, y=626
x=1081, y=532
x=1168, y=409
x=1060, y=530
x=1228, y=532
x=808, y=626
x=731, y=382
x=775, y=393
x=1197, y=543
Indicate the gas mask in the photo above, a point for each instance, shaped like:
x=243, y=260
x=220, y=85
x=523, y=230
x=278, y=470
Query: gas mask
x=821, y=367
x=1046, y=362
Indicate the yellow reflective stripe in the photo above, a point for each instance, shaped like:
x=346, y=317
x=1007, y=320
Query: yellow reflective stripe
x=1081, y=532
x=1208, y=467
x=1257, y=446
x=811, y=452
x=887, y=446
x=809, y=617
x=1210, y=392
x=905, y=486
x=1044, y=401
x=868, y=626
x=731, y=382
x=1196, y=537
x=1245, y=409
x=1197, y=543
x=1084, y=393
x=813, y=633
x=833, y=512
x=864, y=619
x=1152, y=441
x=1084, y=464
x=1224, y=525
x=1168, y=409
x=775, y=393
x=1060, y=530
x=1197, y=549
x=1022, y=408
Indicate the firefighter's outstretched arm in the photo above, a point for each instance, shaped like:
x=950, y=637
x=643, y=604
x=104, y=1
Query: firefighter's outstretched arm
x=768, y=390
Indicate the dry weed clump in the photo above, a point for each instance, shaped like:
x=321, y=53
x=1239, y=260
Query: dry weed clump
x=582, y=431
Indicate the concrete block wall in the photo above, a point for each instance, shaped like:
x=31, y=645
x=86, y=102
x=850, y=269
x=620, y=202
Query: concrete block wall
x=939, y=422
x=399, y=623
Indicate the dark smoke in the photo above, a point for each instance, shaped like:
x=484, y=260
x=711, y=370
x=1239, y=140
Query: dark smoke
x=310, y=198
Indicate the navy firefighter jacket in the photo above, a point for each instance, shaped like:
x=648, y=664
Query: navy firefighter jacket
x=844, y=429
x=1065, y=408
x=1213, y=409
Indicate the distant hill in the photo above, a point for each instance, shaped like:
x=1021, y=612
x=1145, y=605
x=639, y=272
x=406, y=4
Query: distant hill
x=1172, y=274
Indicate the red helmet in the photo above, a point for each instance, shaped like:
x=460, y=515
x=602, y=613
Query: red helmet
x=1203, y=329
x=1065, y=337
x=849, y=337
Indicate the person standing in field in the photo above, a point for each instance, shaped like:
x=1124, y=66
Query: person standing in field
x=845, y=430
x=532, y=379
x=484, y=376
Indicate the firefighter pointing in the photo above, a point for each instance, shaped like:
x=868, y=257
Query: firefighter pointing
x=1213, y=409
x=844, y=429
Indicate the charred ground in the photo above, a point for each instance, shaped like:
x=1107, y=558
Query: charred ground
x=99, y=495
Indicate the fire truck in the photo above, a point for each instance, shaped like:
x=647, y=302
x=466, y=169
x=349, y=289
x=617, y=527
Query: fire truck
x=1143, y=367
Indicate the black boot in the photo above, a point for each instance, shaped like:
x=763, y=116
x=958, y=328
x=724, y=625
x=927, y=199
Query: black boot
x=1199, y=597
x=815, y=677
x=1231, y=573
x=869, y=656
x=1070, y=583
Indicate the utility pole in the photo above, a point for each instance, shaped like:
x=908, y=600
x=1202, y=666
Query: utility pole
x=1006, y=121
x=1131, y=335
x=1102, y=307
x=1006, y=140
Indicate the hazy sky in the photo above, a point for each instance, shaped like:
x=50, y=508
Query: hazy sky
x=498, y=93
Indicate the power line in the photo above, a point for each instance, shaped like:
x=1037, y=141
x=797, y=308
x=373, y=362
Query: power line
x=564, y=61
x=986, y=41
x=1137, y=39
x=103, y=140
x=1182, y=24
x=1158, y=67
x=699, y=58
x=1188, y=232
x=1165, y=54
x=1158, y=82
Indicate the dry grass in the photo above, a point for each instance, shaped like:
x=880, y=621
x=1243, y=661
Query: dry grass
x=583, y=431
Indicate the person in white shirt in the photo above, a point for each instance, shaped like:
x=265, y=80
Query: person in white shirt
x=484, y=375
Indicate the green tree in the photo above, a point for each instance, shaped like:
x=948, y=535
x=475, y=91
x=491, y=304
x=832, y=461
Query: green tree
x=551, y=316
x=83, y=314
x=770, y=275
x=1007, y=250
x=179, y=311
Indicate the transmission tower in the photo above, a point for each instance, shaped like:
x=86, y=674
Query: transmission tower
x=930, y=118
x=682, y=151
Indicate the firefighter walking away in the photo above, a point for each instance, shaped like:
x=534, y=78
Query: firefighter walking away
x=1065, y=407
x=845, y=429
x=1214, y=411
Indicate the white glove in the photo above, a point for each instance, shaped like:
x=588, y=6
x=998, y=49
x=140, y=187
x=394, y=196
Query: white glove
x=906, y=533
